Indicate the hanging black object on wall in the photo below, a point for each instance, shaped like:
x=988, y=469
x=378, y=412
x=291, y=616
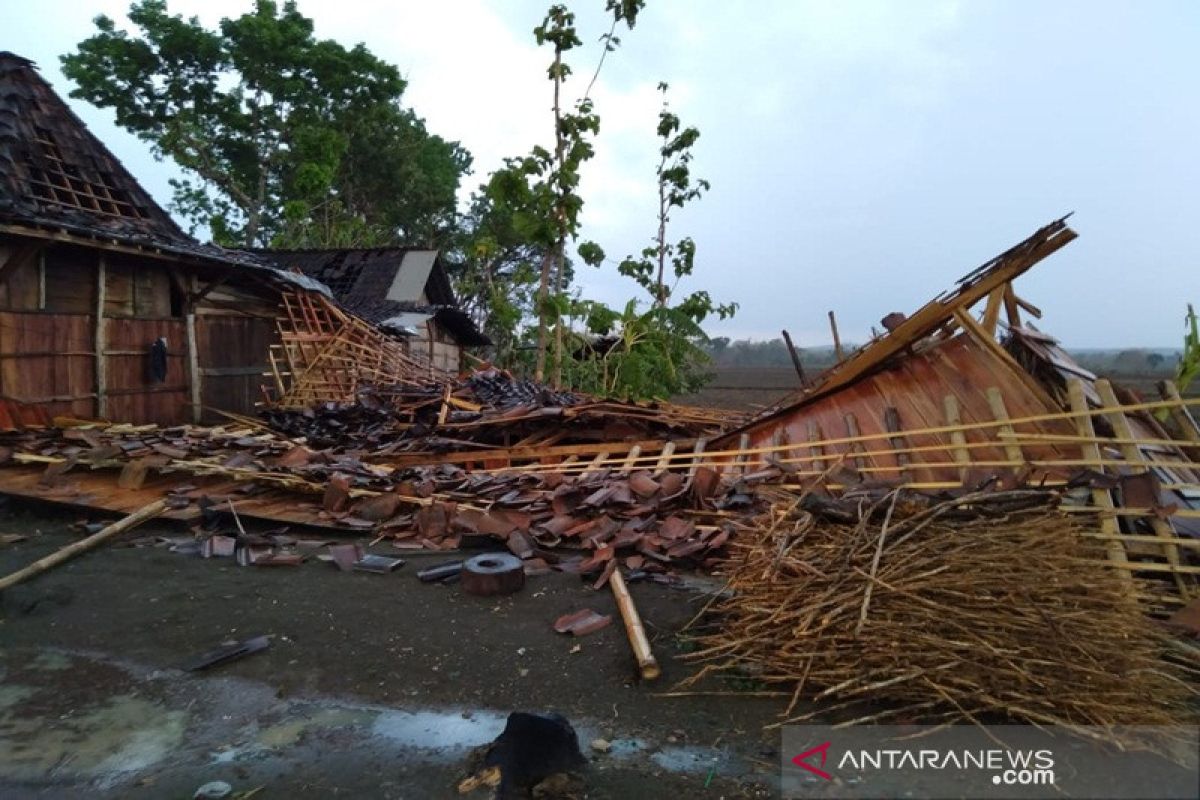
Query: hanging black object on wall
x=156, y=361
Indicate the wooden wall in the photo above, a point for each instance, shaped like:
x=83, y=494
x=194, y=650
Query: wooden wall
x=916, y=388
x=49, y=334
x=132, y=396
x=232, y=353
x=49, y=359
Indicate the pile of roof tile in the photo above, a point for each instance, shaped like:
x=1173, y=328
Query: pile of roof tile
x=580, y=523
x=487, y=409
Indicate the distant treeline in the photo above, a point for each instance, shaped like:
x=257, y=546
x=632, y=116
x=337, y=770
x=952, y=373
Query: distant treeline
x=773, y=353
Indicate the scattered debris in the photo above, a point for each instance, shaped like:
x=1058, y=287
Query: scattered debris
x=888, y=615
x=213, y=790
x=582, y=622
x=377, y=563
x=226, y=653
x=440, y=572
x=493, y=574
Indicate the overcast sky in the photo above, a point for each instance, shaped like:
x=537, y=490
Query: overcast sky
x=863, y=155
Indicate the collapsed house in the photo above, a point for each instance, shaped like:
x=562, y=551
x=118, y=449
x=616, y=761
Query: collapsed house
x=108, y=310
x=402, y=291
x=945, y=400
x=957, y=486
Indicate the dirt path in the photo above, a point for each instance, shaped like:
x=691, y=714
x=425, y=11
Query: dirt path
x=373, y=686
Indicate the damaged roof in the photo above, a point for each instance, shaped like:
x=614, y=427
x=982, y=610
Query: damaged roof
x=56, y=176
x=387, y=286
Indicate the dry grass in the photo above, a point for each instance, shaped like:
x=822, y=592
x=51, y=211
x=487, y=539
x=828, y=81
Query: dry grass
x=989, y=607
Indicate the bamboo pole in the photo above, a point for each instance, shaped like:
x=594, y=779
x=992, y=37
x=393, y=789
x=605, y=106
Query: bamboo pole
x=949, y=429
x=647, y=664
x=70, y=551
x=837, y=340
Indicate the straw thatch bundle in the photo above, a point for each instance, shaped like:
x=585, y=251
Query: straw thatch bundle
x=989, y=606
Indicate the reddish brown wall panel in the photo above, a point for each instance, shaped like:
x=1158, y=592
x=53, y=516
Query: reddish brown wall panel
x=233, y=344
x=132, y=395
x=48, y=358
x=916, y=387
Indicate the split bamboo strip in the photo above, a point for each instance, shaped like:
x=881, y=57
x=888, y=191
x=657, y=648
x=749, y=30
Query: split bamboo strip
x=820, y=444
x=1010, y=614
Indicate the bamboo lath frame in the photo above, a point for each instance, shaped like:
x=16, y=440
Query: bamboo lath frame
x=326, y=354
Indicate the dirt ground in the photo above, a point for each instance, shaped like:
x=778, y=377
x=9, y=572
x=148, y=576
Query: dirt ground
x=373, y=685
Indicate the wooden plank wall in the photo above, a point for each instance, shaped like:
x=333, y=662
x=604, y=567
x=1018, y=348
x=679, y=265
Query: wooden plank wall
x=49, y=332
x=232, y=355
x=49, y=359
x=132, y=395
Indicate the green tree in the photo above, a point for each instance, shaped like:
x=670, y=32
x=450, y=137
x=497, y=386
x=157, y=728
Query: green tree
x=541, y=189
x=660, y=352
x=282, y=136
x=1189, y=360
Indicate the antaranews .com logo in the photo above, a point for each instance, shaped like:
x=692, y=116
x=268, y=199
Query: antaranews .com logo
x=1006, y=761
x=1007, y=767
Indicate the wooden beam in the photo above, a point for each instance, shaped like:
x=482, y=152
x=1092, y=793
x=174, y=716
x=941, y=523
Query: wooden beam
x=1137, y=466
x=837, y=341
x=934, y=314
x=1012, y=450
x=1011, y=309
x=1028, y=307
x=75, y=548
x=959, y=450
x=101, y=340
x=787, y=340
x=23, y=255
x=991, y=313
x=972, y=329
x=193, y=369
x=1182, y=416
x=1101, y=498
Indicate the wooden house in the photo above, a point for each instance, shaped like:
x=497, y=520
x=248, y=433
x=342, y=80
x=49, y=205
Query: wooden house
x=107, y=308
x=403, y=291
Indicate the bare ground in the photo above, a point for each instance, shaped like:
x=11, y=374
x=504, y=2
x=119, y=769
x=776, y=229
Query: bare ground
x=373, y=686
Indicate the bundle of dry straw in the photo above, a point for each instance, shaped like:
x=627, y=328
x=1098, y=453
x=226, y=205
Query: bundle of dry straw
x=987, y=607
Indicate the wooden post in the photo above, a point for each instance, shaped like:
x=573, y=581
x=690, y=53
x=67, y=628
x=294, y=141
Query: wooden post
x=853, y=432
x=1012, y=450
x=962, y=454
x=70, y=551
x=647, y=664
x=41, y=280
x=193, y=363
x=991, y=312
x=787, y=339
x=1181, y=414
x=1137, y=466
x=101, y=340
x=837, y=341
x=1101, y=498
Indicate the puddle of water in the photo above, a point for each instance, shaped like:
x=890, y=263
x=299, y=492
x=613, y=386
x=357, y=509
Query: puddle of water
x=288, y=733
x=690, y=759
x=11, y=694
x=51, y=660
x=434, y=730
x=122, y=735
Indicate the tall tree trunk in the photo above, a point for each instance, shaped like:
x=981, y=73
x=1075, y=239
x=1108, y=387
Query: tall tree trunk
x=539, y=373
